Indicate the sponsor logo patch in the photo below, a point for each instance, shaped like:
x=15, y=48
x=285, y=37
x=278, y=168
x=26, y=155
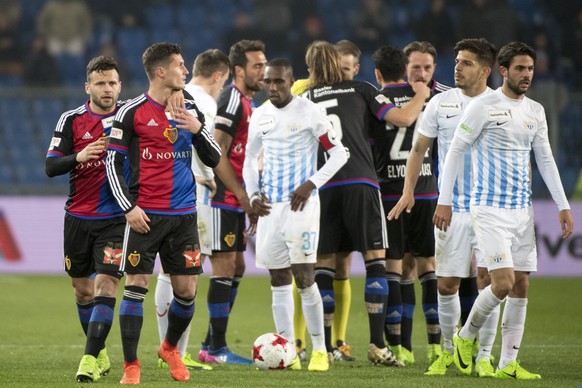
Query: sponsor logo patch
x=112, y=254
x=116, y=133
x=192, y=256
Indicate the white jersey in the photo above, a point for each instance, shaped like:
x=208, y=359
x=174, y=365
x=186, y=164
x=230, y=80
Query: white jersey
x=440, y=119
x=207, y=105
x=503, y=131
x=289, y=139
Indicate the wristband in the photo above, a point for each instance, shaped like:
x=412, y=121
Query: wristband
x=254, y=196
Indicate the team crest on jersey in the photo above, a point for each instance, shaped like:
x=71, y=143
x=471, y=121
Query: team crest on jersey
x=171, y=134
x=530, y=124
x=497, y=258
x=134, y=258
x=229, y=239
x=192, y=256
x=67, y=263
x=112, y=254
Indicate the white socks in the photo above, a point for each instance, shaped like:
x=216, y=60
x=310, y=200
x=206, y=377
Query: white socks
x=313, y=313
x=449, y=315
x=512, y=328
x=487, y=334
x=482, y=309
x=283, y=308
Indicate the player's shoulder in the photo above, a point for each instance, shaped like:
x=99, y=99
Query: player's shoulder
x=438, y=87
x=130, y=106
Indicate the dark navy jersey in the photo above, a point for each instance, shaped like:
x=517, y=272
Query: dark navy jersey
x=392, y=146
x=233, y=117
x=90, y=196
x=351, y=106
x=160, y=157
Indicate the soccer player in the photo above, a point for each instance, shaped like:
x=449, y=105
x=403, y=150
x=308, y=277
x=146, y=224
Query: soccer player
x=351, y=211
x=350, y=66
x=502, y=128
x=94, y=222
x=412, y=234
x=421, y=66
x=454, y=248
x=288, y=132
x=210, y=71
x=229, y=204
x=160, y=203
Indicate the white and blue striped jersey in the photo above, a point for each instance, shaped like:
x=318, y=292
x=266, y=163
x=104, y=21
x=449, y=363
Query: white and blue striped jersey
x=289, y=139
x=503, y=131
x=440, y=120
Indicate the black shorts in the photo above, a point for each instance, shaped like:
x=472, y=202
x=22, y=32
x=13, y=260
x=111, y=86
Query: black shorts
x=412, y=232
x=175, y=238
x=229, y=234
x=93, y=246
x=351, y=219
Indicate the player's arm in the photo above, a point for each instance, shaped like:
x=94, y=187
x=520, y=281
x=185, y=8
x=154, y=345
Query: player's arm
x=551, y=176
x=337, y=158
x=251, y=175
x=406, y=115
x=61, y=158
x=413, y=167
x=226, y=173
x=453, y=165
x=192, y=120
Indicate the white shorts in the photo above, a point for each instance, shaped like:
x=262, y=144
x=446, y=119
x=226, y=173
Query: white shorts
x=506, y=237
x=205, y=224
x=285, y=237
x=454, y=248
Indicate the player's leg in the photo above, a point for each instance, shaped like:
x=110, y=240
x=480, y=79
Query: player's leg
x=343, y=299
x=324, y=275
x=163, y=298
x=468, y=291
x=227, y=269
x=428, y=282
x=514, y=314
x=299, y=324
x=487, y=332
x=408, y=295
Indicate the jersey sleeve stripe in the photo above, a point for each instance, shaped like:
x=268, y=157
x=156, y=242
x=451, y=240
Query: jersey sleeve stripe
x=63, y=119
x=234, y=102
x=124, y=203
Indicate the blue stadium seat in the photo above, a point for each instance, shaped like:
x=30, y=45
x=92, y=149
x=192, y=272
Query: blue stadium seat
x=72, y=69
x=47, y=109
x=160, y=16
x=131, y=43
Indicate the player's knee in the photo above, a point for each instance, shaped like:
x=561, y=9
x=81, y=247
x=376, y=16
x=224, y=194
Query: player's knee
x=448, y=286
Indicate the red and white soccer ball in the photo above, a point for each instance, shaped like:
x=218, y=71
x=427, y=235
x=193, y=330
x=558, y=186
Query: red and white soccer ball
x=272, y=351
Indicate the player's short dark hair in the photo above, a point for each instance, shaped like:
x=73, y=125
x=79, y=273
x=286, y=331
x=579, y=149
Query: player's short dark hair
x=281, y=62
x=210, y=61
x=158, y=54
x=238, y=52
x=421, y=46
x=346, y=47
x=323, y=62
x=481, y=47
x=100, y=64
x=513, y=49
x=391, y=62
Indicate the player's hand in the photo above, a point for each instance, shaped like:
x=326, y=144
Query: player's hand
x=92, y=151
x=406, y=202
x=253, y=220
x=442, y=217
x=260, y=205
x=186, y=120
x=567, y=223
x=175, y=101
x=300, y=196
x=138, y=220
x=420, y=87
x=210, y=183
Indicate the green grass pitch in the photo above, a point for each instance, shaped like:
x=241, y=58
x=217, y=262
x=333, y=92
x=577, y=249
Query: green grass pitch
x=41, y=341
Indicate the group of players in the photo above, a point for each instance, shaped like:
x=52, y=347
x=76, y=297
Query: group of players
x=317, y=186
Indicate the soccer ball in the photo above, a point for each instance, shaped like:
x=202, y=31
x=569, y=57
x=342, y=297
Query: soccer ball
x=272, y=351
